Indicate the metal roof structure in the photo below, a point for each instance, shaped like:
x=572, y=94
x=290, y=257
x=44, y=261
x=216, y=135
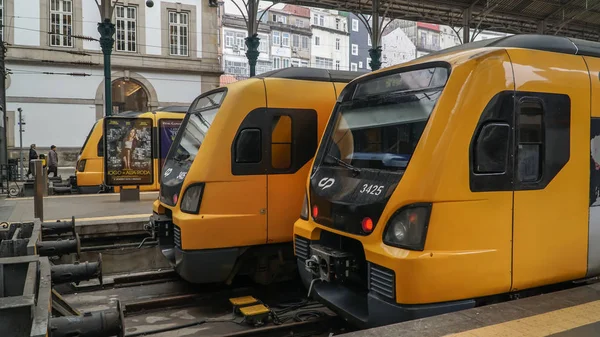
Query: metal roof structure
x=572, y=18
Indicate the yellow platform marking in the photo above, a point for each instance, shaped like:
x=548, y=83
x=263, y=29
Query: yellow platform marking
x=254, y=310
x=540, y=325
x=111, y=217
x=243, y=300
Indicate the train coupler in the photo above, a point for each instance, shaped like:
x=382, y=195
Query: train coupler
x=59, y=227
x=77, y=272
x=254, y=312
x=59, y=247
x=106, y=323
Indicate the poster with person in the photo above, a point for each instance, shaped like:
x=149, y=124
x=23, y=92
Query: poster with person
x=166, y=135
x=128, y=151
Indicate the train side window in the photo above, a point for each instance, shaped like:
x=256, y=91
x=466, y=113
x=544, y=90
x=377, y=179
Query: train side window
x=281, y=142
x=100, y=149
x=491, y=149
x=248, y=146
x=530, y=140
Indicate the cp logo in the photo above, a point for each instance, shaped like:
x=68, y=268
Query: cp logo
x=168, y=171
x=326, y=183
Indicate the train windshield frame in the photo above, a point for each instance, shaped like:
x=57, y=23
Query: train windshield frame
x=379, y=126
x=87, y=139
x=194, y=127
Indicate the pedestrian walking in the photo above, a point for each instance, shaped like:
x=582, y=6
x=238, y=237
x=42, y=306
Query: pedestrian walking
x=32, y=155
x=52, y=161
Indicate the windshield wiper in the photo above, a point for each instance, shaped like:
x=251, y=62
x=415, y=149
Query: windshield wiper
x=342, y=163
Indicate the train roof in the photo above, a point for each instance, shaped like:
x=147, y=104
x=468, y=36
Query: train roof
x=174, y=108
x=311, y=74
x=551, y=43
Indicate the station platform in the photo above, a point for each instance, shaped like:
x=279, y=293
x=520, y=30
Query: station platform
x=568, y=313
x=87, y=207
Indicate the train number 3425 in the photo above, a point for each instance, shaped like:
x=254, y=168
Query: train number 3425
x=372, y=189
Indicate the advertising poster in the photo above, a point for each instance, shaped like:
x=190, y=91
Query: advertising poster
x=166, y=135
x=128, y=155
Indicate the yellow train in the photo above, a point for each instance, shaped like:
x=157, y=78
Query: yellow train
x=233, y=182
x=89, y=174
x=456, y=179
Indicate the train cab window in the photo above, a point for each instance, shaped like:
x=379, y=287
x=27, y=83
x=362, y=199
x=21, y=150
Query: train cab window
x=248, y=146
x=491, y=149
x=281, y=142
x=530, y=140
x=100, y=149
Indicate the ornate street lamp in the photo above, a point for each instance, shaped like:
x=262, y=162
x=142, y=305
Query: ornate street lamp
x=107, y=30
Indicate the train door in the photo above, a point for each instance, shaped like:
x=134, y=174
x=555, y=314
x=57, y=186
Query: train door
x=294, y=135
x=552, y=123
x=593, y=262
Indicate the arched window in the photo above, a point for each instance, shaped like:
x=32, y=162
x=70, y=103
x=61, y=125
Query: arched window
x=129, y=95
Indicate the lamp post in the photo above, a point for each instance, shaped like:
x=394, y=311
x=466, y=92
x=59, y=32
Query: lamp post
x=107, y=30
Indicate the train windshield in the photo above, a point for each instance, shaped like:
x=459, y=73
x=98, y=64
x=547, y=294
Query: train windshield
x=379, y=128
x=187, y=143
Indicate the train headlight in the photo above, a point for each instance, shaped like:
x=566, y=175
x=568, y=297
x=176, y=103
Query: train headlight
x=190, y=203
x=81, y=165
x=304, y=211
x=407, y=228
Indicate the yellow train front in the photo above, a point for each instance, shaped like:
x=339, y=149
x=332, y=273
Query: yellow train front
x=233, y=182
x=456, y=179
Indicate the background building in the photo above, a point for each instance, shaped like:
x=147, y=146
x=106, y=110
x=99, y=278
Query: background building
x=330, y=42
x=396, y=48
x=163, y=55
x=290, y=36
x=233, y=44
x=360, y=43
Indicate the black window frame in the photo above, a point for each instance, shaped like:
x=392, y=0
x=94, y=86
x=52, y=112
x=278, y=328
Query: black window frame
x=541, y=143
x=505, y=107
x=304, y=140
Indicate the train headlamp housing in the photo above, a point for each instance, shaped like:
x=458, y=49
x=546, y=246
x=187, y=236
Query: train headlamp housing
x=190, y=203
x=81, y=165
x=304, y=210
x=407, y=228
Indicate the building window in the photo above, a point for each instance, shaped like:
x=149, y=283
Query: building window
x=369, y=40
x=240, y=40
x=353, y=67
x=317, y=41
x=286, y=63
x=276, y=62
x=263, y=47
x=61, y=23
x=279, y=18
x=323, y=63
x=318, y=20
x=337, y=65
x=337, y=23
x=354, y=49
x=360, y=65
x=305, y=42
x=178, y=33
x=126, y=28
x=354, y=25
x=236, y=68
x=285, y=39
x=229, y=39
x=276, y=38
x=368, y=63
x=295, y=63
x=299, y=23
x=304, y=64
x=337, y=44
x=295, y=41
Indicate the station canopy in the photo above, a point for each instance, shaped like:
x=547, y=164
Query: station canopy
x=573, y=18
